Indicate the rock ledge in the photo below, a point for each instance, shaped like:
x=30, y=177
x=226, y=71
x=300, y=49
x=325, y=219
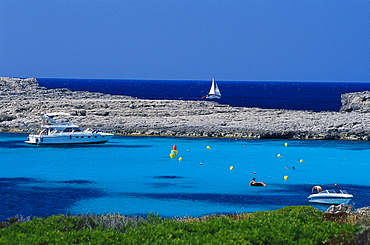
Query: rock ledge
x=22, y=100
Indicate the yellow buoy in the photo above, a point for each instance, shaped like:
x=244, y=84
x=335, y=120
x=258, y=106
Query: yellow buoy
x=231, y=167
x=286, y=177
x=301, y=160
x=285, y=144
x=172, y=155
x=208, y=147
x=180, y=158
x=278, y=155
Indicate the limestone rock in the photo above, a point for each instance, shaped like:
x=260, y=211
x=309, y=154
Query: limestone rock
x=359, y=102
x=22, y=100
x=341, y=208
x=5, y=117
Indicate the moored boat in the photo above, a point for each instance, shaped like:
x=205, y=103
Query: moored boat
x=64, y=132
x=331, y=197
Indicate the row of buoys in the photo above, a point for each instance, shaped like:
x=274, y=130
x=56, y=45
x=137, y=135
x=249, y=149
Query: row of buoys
x=174, y=153
x=279, y=155
x=286, y=177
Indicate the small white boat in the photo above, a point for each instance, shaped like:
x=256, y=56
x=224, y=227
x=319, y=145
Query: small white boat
x=331, y=197
x=214, y=92
x=53, y=132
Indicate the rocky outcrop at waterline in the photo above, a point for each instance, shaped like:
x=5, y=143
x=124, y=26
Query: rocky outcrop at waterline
x=22, y=100
x=358, y=101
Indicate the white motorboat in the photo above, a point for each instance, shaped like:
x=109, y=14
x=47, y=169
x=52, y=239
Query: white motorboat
x=64, y=132
x=331, y=197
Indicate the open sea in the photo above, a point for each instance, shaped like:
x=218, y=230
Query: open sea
x=312, y=96
x=136, y=176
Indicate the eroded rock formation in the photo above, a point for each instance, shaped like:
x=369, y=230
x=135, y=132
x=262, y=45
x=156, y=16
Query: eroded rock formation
x=22, y=100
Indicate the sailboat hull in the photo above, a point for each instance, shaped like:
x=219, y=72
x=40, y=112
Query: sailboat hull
x=212, y=96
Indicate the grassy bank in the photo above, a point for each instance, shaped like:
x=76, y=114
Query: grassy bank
x=289, y=225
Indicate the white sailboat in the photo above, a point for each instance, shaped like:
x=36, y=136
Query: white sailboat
x=214, y=92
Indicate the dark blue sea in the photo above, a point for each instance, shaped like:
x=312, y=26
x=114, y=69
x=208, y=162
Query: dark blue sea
x=312, y=96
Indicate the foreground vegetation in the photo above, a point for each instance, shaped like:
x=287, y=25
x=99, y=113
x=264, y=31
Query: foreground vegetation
x=289, y=225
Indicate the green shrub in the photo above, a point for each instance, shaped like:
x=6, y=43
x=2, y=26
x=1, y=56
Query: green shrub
x=289, y=225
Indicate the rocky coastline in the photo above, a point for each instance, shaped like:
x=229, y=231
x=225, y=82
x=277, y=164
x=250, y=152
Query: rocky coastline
x=22, y=100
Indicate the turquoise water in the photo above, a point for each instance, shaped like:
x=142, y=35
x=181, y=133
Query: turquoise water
x=135, y=175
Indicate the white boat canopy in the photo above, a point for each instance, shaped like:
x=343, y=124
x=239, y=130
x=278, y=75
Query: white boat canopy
x=53, y=114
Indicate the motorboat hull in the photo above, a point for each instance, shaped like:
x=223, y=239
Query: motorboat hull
x=68, y=139
x=330, y=201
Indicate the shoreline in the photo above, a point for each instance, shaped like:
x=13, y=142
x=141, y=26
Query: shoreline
x=22, y=100
x=205, y=137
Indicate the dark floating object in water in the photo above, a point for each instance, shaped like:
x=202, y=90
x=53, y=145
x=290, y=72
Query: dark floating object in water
x=167, y=177
x=80, y=182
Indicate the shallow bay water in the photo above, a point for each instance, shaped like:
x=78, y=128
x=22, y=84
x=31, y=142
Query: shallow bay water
x=135, y=175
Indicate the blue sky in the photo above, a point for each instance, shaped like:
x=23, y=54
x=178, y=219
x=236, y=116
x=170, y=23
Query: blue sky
x=249, y=40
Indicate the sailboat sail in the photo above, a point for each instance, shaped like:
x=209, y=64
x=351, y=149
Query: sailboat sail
x=214, y=92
